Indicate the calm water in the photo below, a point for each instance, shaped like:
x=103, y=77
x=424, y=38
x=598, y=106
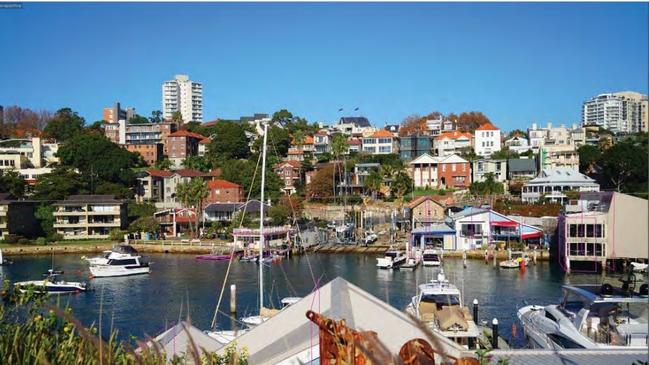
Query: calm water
x=147, y=304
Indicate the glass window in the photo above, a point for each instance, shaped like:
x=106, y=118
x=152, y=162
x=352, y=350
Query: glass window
x=471, y=229
x=590, y=230
x=572, y=231
x=580, y=230
x=599, y=230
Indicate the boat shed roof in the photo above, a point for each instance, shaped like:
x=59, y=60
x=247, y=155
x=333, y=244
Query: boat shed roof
x=176, y=341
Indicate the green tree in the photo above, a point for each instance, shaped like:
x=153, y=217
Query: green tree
x=65, y=125
x=177, y=117
x=282, y=115
x=139, y=210
x=11, y=182
x=156, y=116
x=624, y=167
x=299, y=137
x=62, y=182
x=339, y=145
x=487, y=187
x=279, y=214
x=589, y=156
x=242, y=171
x=144, y=224
x=163, y=164
x=401, y=184
x=229, y=142
x=45, y=215
x=138, y=119
x=197, y=163
x=278, y=142
x=373, y=182
x=504, y=154
x=192, y=194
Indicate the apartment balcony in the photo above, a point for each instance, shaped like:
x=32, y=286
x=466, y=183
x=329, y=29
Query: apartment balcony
x=115, y=224
x=66, y=213
x=65, y=224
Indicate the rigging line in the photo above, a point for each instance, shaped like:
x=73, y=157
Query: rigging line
x=227, y=272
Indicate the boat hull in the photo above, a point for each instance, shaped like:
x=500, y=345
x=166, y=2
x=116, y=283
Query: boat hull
x=50, y=288
x=213, y=257
x=113, y=271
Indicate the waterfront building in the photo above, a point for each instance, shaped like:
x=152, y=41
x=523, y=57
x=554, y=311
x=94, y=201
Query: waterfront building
x=116, y=113
x=553, y=184
x=159, y=186
x=150, y=152
x=224, y=212
x=621, y=112
x=182, y=144
x=426, y=211
x=223, y=191
x=89, y=216
x=521, y=169
x=37, y=151
x=486, y=140
x=413, y=146
x=480, y=168
x=601, y=226
x=150, y=187
x=183, y=95
x=291, y=173
x=273, y=236
x=380, y=142
x=450, y=143
x=440, y=172
x=18, y=217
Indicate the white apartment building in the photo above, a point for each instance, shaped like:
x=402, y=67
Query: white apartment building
x=550, y=136
x=39, y=153
x=518, y=144
x=486, y=140
x=380, y=143
x=624, y=112
x=182, y=94
x=450, y=143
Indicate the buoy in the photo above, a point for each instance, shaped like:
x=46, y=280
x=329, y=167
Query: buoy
x=514, y=330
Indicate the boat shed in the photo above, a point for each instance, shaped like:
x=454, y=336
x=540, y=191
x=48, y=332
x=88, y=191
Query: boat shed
x=438, y=235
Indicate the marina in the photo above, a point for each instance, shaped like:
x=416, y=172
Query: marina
x=177, y=286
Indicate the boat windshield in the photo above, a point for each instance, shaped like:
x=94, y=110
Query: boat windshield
x=431, y=256
x=441, y=299
x=391, y=254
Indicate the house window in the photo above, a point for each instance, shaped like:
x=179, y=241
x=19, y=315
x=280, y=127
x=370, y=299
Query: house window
x=471, y=229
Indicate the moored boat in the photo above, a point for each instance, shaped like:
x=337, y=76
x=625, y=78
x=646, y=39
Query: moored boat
x=123, y=260
x=392, y=259
x=51, y=285
x=431, y=258
x=516, y=260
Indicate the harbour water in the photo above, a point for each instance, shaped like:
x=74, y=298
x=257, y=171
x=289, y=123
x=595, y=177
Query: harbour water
x=145, y=305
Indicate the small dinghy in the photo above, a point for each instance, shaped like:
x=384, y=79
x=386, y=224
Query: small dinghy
x=214, y=256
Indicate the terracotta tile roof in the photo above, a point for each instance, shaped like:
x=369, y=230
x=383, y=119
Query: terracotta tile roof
x=354, y=141
x=205, y=141
x=216, y=172
x=382, y=133
x=487, y=127
x=439, y=199
x=159, y=173
x=186, y=133
x=295, y=164
x=454, y=135
x=222, y=184
x=190, y=173
x=308, y=140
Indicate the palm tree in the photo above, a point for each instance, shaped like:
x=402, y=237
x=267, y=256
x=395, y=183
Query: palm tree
x=200, y=191
x=373, y=181
x=184, y=194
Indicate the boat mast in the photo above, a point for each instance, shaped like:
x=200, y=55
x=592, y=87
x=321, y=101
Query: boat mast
x=261, y=221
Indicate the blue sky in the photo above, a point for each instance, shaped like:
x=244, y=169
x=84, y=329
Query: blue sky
x=517, y=63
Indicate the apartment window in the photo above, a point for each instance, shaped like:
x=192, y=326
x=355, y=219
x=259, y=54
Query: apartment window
x=471, y=229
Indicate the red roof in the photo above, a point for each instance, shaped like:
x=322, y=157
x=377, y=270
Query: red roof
x=159, y=173
x=294, y=164
x=186, y=133
x=454, y=135
x=205, y=141
x=222, y=184
x=382, y=133
x=190, y=173
x=487, y=127
x=354, y=141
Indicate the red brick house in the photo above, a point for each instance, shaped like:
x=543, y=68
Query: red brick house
x=223, y=191
x=182, y=144
x=291, y=173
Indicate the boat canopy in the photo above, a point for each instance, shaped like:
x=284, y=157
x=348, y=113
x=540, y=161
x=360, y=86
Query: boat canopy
x=125, y=249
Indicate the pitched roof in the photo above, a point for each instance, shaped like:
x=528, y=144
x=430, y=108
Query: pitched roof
x=190, y=173
x=561, y=175
x=159, y=173
x=382, y=133
x=205, y=141
x=357, y=121
x=454, y=135
x=487, y=127
x=428, y=159
x=295, y=164
x=413, y=204
x=186, y=133
x=354, y=142
x=222, y=184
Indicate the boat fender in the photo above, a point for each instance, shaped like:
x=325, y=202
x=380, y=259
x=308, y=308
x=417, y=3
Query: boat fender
x=607, y=289
x=644, y=289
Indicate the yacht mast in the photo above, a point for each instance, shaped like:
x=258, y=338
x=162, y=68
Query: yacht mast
x=261, y=221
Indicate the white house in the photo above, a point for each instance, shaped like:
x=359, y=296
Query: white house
x=486, y=140
x=551, y=184
x=518, y=144
x=380, y=142
x=483, y=167
x=449, y=143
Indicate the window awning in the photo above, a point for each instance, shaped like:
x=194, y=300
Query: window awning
x=537, y=234
x=504, y=224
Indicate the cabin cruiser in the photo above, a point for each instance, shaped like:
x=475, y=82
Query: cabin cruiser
x=51, y=285
x=431, y=258
x=590, y=317
x=438, y=304
x=392, y=259
x=516, y=260
x=123, y=260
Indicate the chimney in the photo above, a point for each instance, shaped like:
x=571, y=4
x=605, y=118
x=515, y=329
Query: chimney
x=533, y=126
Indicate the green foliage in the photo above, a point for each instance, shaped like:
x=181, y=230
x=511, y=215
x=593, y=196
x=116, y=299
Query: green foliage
x=624, y=166
x=241, y=219
x=177, y=117
x=138, y=119
x=117, y=235
x=163, y=164
x=200, y=163
x=504, y=154
x=144, y=224
x=339, y=145
x=279, y=214
x=45, y=217
x=139, y=210
x=282, y=115
x=487, y=187
x=229, y=142
x=373, y=182
x=65, y=125
x=156, y=116
x=11, y=182
x=12, y=238
x=110, y=188
x=241, y=172
x=278, y=142
x=589, y=155
x=99, y=159
x=391, y=159
x=192, y=194
x=41, y=241
x=401, y=185
x=59, y=184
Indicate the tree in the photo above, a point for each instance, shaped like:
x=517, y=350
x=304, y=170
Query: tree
x=469, y=121
x=624, y=167
x=487, y=187
x=11, y=182
x=401, y=185
x=138, y=119
x=279, y=214
x=589, y=155
x=22, y=122
x=242, y=171
x=339, y=145
x=59, y=184
x=282, y=115
x=295, y=204
x=64, y=125
x=45, y=215
x=139, y=210
x=192, y=194
x=278, y=142
x=229, y=142
x=156, y=116
x=197, y=163
x=321, y=186
x=163, y=164
x=177, y=117
x=144, y=224
x=299, y=137
x=504, y=154
x=373, y=182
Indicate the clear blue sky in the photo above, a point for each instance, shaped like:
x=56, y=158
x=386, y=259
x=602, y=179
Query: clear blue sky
x=517, y=63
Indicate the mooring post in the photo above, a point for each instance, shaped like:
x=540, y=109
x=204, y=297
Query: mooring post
x=464, y=258
x=495, y=253
x=475, y=310
x=534, y=256
x=494, y=334
x=233, y=298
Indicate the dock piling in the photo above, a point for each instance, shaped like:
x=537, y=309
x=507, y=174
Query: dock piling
x=495, y=260
x=464, y=258
x=494, y=334
x=534, y=256
x=233, y=298
x=475, y=310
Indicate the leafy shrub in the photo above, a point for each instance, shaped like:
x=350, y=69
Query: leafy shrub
x=24, y=241
x=42, y=241
x=12, y=238
x=54, y=237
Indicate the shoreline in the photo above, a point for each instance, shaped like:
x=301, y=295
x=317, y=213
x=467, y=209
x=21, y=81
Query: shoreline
x=81, y=248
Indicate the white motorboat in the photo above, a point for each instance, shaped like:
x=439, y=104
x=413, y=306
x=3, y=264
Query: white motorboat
x=4, y=261
x=51, y=285
x=392, y=259
x=370, y=237
x=516, y=260
x=438, y=304
x=639, y=267
x=431, y=258
x=589, y=317
x=123, y=260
